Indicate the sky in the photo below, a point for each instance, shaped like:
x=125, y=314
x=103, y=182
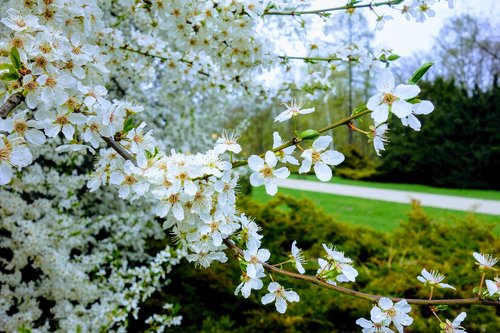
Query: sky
x=410, y=37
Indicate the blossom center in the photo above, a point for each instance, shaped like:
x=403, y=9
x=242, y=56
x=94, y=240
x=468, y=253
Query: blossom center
x=20, y=127
x=267, y=171
x=173, y=199
x=21, y=23
x=129, y=180
x=62, y=120
x=316, y=156
x=4, y=154
x=391, y=312
x=389, y=98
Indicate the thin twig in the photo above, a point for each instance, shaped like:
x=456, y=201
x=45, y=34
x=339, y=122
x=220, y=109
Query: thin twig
x=296, y=140
x=119, y=149
x=327, y=10
x=362, y=295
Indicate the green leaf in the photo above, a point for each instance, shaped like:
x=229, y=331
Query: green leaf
x=7, y=66
x=309, y=134
x=9, y=76
x=15, y=58
x=442, y=307
x=393, y=57
x=419, y=73
x=129, y=124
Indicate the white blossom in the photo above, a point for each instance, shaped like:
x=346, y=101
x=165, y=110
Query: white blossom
x=321, y=158
x=265, y=174
x=391, y=98
x=278, y=294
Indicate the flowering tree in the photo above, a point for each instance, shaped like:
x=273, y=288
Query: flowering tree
x=95, y=93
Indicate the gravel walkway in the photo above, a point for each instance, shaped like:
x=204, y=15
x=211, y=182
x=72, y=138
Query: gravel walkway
x=491, y=207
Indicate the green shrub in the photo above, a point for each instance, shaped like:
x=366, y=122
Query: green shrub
x=388, y=264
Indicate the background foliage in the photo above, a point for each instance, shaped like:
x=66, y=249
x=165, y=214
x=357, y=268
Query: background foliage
x=459, y=146
x=388, y=263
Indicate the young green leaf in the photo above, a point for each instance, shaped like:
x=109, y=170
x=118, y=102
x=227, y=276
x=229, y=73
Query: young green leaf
x=15, y=58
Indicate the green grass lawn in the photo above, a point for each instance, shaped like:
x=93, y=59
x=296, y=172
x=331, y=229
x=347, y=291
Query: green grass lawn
x=480, y=194
x=380, y=215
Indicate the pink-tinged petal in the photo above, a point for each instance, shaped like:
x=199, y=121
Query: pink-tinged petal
x=256, y=179
x=305, y=167
x=380, y=114
x=281, y=173
x=271, y=159
x=424, y=107
x=401, y=108
x=385, y=303
x=21, y=156
x=332, y=157
x=281, y=305
x=323, y=171
x=406, y=91
x=322, y=143
x=385, y=81
x=255, y=163
x=5, y=173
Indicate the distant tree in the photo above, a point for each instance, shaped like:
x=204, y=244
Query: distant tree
x=459, y=144
x=468, y=48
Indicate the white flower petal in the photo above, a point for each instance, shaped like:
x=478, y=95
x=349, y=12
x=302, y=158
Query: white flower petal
x=322, y=143
x=401, y=108
x=406, y=91
x=323, y=171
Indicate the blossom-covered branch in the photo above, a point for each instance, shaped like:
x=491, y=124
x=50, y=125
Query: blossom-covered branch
x=362, y=295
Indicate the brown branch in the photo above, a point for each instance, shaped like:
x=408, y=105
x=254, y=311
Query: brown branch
x=366, y=296
x=361, y=112
x=10, y=104
x=119, y=149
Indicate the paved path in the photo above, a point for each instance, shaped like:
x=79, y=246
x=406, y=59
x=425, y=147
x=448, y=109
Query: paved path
x=491, y=207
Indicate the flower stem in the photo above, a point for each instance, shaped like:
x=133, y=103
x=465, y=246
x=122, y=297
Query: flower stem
x=481, y=285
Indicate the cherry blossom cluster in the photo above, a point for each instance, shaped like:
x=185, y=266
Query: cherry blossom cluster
x=73, y=65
